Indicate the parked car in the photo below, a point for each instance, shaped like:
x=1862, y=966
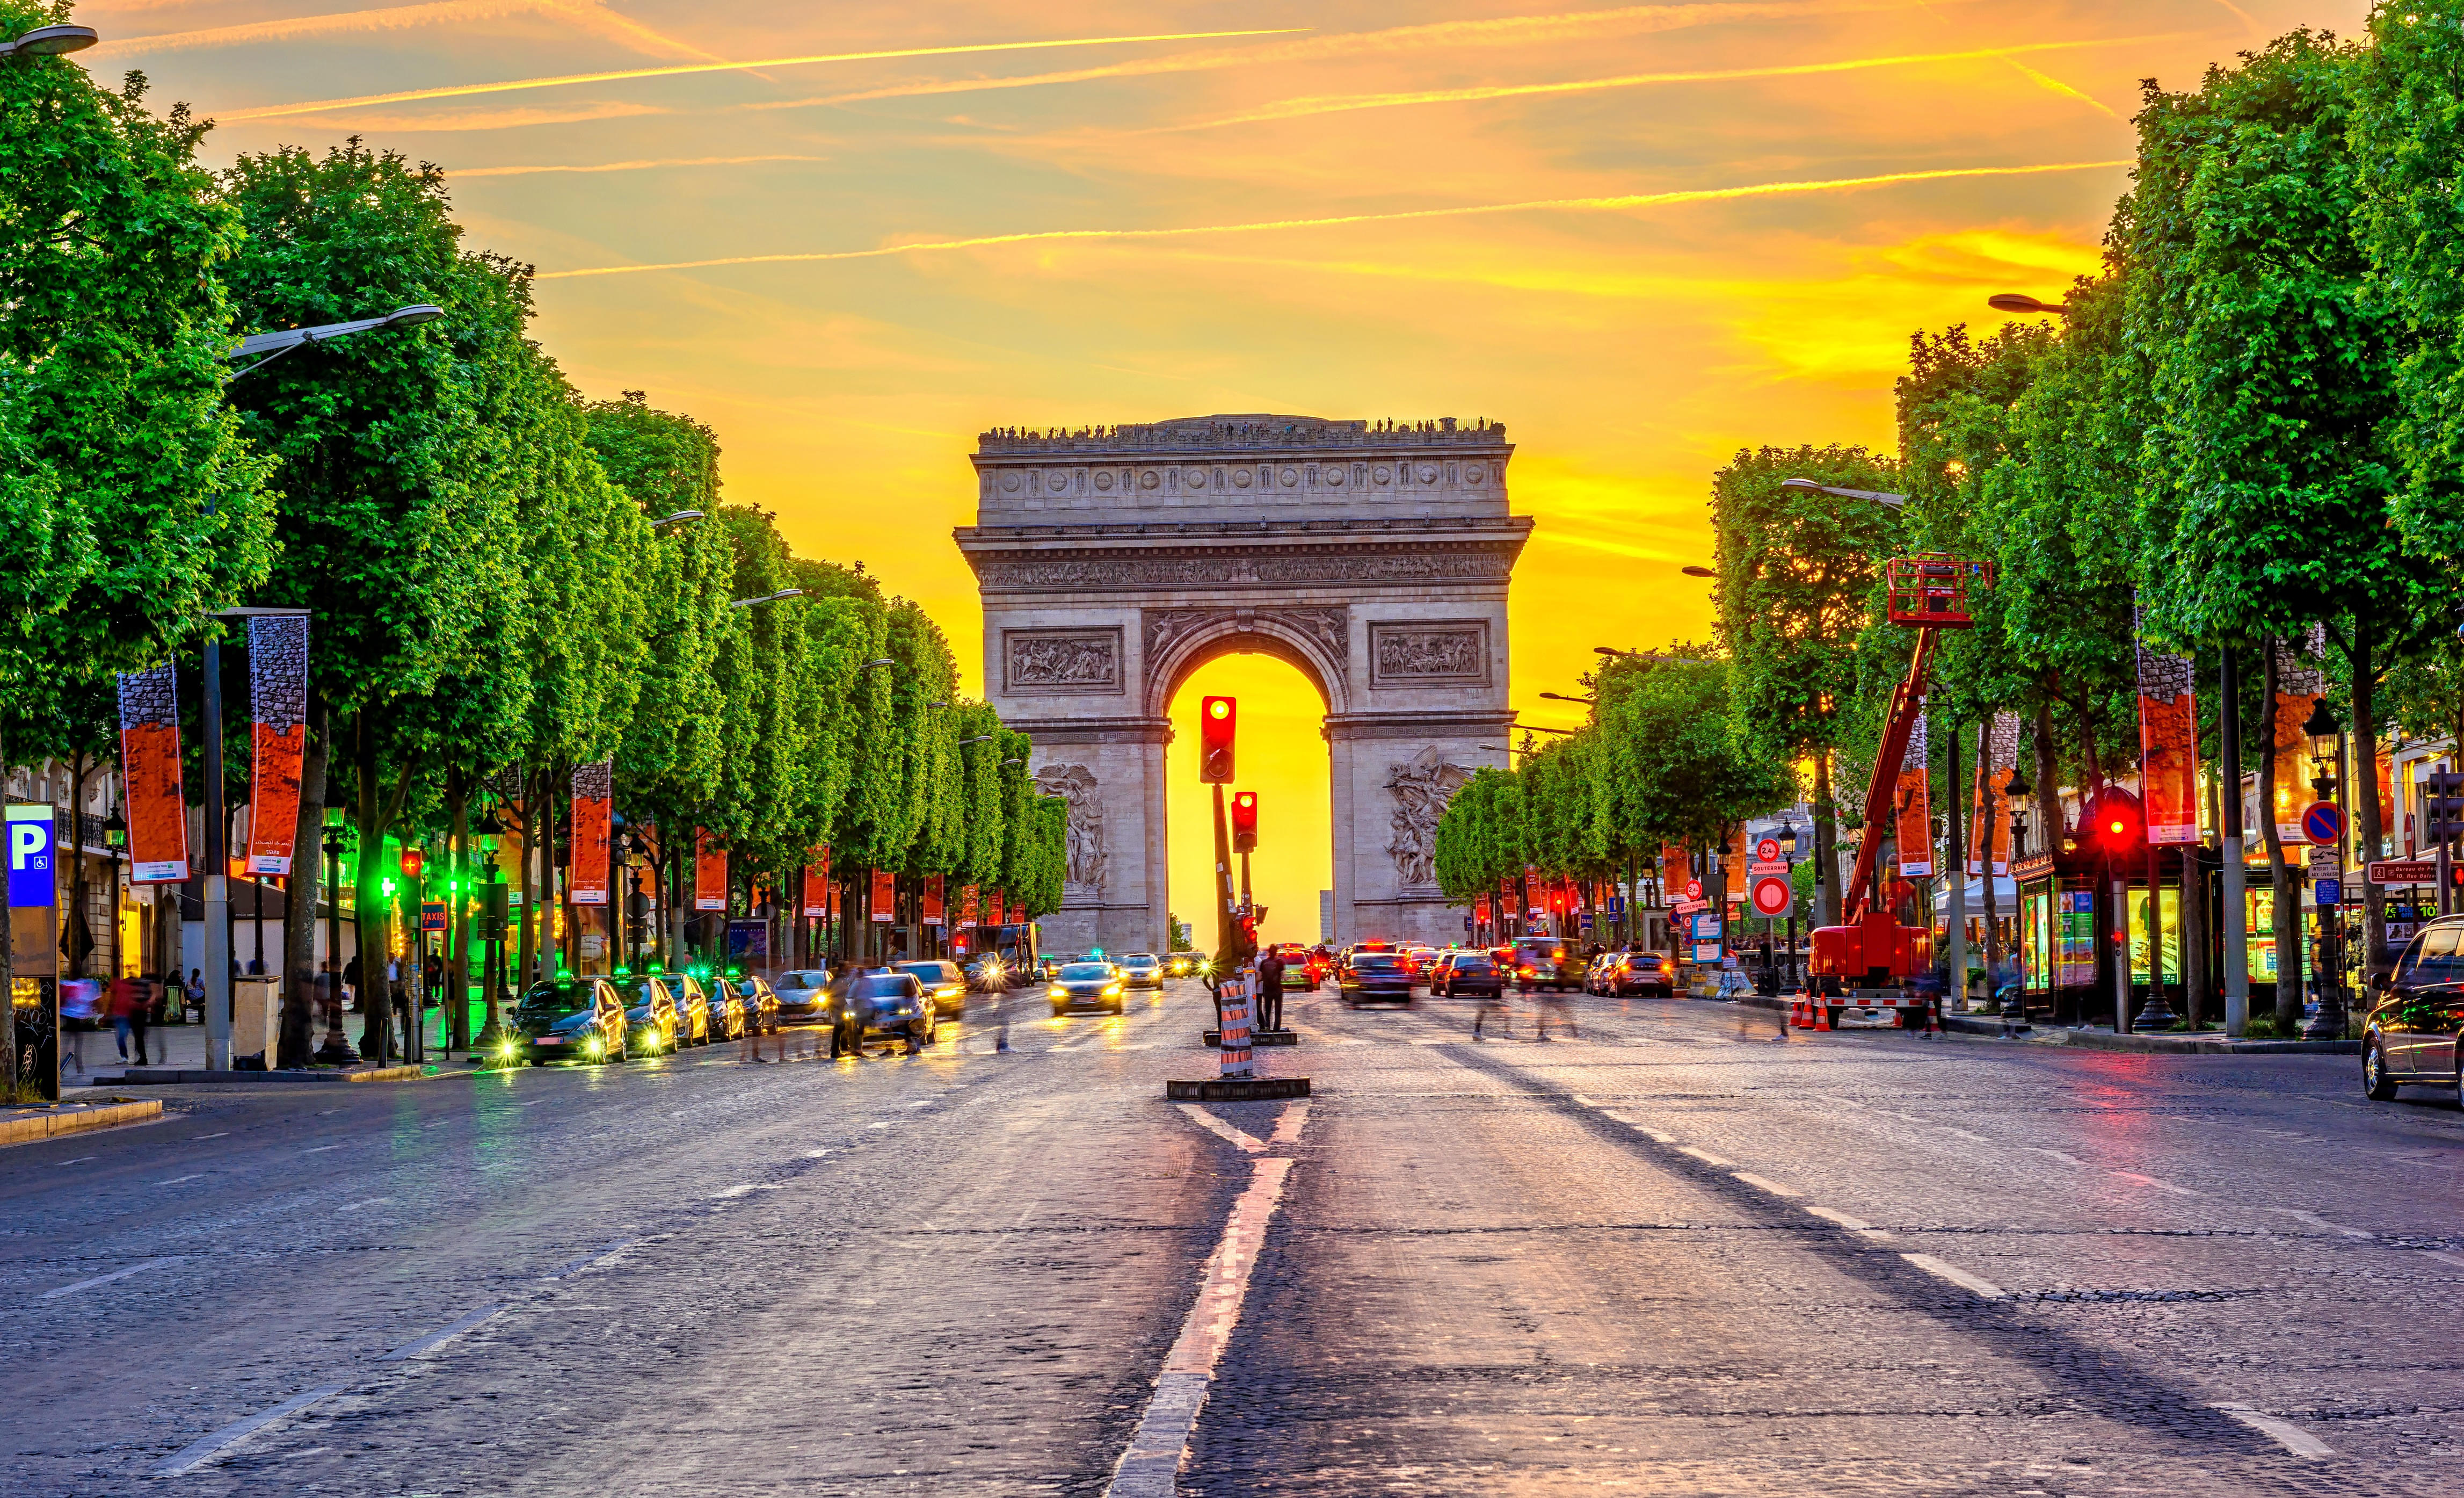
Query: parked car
x=1546, y=963
x=1142, y=970
x=649, y=1016
x=565, y=1019
x=1087, y=985
x=944, y=983
x=2417, y=1011
x=803, y=992
x=895, y=1005
x=727, y=1017
x=692, y=1009
x=1619, y=974
x=760, y=1001
x=1460, y=972
x=1373, y=978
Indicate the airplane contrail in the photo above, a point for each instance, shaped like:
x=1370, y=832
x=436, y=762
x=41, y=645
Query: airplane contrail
x=1628, y=201
x=1328, y=104
x=586, y=14
x=463, y=173
x=510, y=85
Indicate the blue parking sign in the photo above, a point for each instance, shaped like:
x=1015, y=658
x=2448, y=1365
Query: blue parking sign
x=31, y=885
x=2329, y=892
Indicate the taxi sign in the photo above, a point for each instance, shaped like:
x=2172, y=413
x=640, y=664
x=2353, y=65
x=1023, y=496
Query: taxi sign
x=2324, y=821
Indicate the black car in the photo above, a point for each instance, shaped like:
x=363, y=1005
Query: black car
x=1087, y=985
x=2411, y=1037
x=761, y=1002
x=1460, y=972
x=943, y=982
x=803, y=992
x=728, y=1018
x=566, y=1019
x=1373, y=978
x=888, y=1003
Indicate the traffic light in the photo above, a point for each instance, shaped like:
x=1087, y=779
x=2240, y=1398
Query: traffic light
x=1215, y=718
x=2116, y=825
x=413, y=860
x=1245, y=823
x=2442, y=807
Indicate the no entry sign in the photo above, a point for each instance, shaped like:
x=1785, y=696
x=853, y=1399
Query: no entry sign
x=1774, y=896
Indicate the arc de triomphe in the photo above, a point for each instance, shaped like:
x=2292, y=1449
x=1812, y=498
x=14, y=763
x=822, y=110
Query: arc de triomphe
x=1115, y=562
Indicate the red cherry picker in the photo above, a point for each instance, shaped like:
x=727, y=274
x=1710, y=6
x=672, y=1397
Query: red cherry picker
x=1872, y=961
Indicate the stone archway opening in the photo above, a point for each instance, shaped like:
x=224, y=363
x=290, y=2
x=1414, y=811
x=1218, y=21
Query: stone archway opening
x=1282, y=757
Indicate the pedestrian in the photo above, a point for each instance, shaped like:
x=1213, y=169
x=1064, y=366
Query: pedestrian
x=194, y=995
x=1493, y=1003
x=1557, y=1002
x=1270, y=991
x=351, y=981
x=129, y=1017
x=80, y=1007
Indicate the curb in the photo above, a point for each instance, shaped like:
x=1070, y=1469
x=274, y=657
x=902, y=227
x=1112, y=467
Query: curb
x=51, y=1123
x=167, y=1076
x=2106, y=1039
x=1236, y=1090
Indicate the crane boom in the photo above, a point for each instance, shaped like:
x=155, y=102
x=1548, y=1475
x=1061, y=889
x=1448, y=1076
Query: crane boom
x=1908, y=700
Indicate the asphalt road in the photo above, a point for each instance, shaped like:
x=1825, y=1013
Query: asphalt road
x=1683, y=1253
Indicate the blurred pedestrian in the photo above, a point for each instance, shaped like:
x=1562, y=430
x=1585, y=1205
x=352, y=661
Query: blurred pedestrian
x=80, y=1007
x=129, y=1017
x=1493, y=1003
x=1270, y=991
x=1555, y=1002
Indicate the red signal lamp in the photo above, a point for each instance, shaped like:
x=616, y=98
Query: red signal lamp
x=412, y=861
x=1217, y=718
x=1245, y=823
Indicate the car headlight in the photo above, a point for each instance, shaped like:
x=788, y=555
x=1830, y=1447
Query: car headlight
x=1058, y=992
x=1112, y=989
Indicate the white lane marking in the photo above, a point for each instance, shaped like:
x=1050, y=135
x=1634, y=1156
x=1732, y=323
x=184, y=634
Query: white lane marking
x=926, y=1103
x=1288, y=1127
x=438, y=1124
x=1704, y=1156
x=1961, y=1133
x=176, y=1179
x=2162, y=1185
x=1760, y=1184
x=80, y=1160
x=535, y=1102
x=2283, y=1432
x=1854, y=1225
x=814, y=1154
x=2445, y=1257
x=444, y=1335
x=745, y=1190
x=355, y=1205
x=210, y=1447
x=115, y=1275
x=1150, y=1467
x=320, y=1149
x=1985, y=1288
x=590, y=1261
x=2322, y=1224
x=1214, y=1125
x=2067, y=1159
x=224, y=1135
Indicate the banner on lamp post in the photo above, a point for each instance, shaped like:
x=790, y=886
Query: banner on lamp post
x=709, y=872
x=816, y=904
x=885, y=896
x=594, y=792
x=1912, y=802
x=278, y=690
x=2168, y=747
x=993, y=908
x=933, y=913
x=1674, y=872
x=1989, y=829
x=2299, y=683
x=967, y=907
x=149, y=770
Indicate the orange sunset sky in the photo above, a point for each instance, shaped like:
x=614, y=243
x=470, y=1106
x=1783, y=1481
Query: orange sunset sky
x=853, y=236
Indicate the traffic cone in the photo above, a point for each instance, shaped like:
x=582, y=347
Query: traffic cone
x=1821, y=1016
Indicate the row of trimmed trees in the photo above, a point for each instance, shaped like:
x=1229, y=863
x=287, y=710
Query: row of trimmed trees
x=491, y=601
x=2244, y=428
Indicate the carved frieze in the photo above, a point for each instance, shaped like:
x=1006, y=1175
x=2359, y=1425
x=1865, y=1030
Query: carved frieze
x=1328, y=628
x=1142, y=570
x=1421, y=789
x=1075, y=784
x=1441, y=653
x=1054, y=662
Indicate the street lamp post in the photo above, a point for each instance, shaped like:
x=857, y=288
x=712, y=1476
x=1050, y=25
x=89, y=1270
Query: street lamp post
x=337, y=1049
x=49, y=41
x=1787, y=856
x=2326, y=735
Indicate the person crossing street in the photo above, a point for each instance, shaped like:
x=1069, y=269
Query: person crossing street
x=1270, y=991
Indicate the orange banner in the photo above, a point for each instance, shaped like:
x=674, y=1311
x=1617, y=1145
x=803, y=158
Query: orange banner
x=150, y=767
x=933, y=913
x=967, y=911
x=992, y=917
x=2168, y=747
x=1675, y=872
x=885, y=896
x=594, y=794
x=1912, y=806
x=709, y=872
x=817, y=885
x=278, y=682
x=2299, y=686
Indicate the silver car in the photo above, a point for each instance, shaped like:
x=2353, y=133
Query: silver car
x=803, y=992
x=1142, y=970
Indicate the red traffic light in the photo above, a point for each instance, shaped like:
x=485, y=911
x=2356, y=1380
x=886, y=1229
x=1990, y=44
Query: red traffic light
x=413, y=860
x=2116, y=825
x=1245, y=823
x=1216, y=717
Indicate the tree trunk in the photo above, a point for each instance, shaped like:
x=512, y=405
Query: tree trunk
x=2049, y=793
x=9, y=1068
x=300, y=894
x=1826, y=838
x=375, y=1003
x=2369, y=818
x=457, y=919
x=2286, y=904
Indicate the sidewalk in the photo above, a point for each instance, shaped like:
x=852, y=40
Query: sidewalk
x=2202, y=1043
x=182, y=1048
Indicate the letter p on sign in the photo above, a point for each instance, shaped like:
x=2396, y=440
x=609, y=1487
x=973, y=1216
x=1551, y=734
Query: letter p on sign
x=30, y=858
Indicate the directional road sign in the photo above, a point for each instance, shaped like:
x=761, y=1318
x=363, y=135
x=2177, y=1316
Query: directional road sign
x=2404, y=870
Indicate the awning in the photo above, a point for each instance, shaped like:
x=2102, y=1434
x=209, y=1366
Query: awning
x=2006, y=894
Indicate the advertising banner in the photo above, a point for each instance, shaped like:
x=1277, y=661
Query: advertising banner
x=968, y=911
x=1912, y=803
x=2168, y=747
x=150, y=767
x=933, y=914
x=594, y=794
x=277, y=688
x=1674, y=872
x=1990, y=826
x=816, y=903
x=2300, y=682
x=993, y=911
x=885, y=896
x=709, y=872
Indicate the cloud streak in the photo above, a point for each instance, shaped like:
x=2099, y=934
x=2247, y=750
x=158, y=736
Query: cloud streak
x=1617, y=204
x=560, y=80
x=465, y=173
x=1329, y=104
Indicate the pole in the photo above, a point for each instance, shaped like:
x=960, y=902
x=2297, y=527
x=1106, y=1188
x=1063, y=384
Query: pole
x=1248, y=902
x=2121, y=952
x=218, y=923
x=2237, y=899
x=1955, y=991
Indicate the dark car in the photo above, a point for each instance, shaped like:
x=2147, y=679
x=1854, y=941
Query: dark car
x=803, y=992
x=2418, y=1012
x=1373, y=978
x=944, y=983
x=1181, y=965
x=1142, y=970
x=1087, y=985
x=566, y=1019
x=1619, y=974
x=1546, y=963
x=726, y=1011
x=761, y=1002
x=888, y=1003
x=650, y=1025
x=1460, y=972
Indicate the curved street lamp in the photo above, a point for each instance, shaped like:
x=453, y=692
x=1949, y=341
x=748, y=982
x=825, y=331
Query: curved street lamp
x=273, y=345
x=1560, y=696
x=768, y=597
x=2018, y=301
x=49, y=41
x=1881, y=497
x=677, y=518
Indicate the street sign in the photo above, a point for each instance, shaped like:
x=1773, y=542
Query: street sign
x=1759, y=868
x=1767, y=850
x=2324, y=821
x=32, y=884
x=2324, y=862
x=1693, y=888
x=2329, y=892
x=1774, y=898
x=2404, y=870
x=432, y=916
